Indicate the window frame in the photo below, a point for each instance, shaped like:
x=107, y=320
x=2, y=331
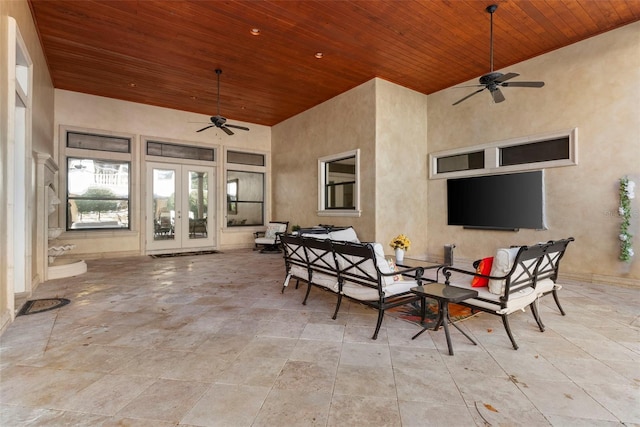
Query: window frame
x=322, y=185
x=235, y=204
x=492, y=156
x=80, y=153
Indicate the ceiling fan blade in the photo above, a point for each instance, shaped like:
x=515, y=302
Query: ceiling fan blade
x=236, y=127
x=506, y=77
x=227, y=131
x=523, y=84
x=468, y=96
x=497, y=95
x=205, y=128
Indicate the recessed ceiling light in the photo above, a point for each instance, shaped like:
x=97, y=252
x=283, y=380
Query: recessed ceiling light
x=319, y=55
x=132, y=85
x=194, y=97
x=255, y=31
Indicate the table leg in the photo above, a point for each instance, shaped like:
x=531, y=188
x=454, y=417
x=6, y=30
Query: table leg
x=423, y=310
x=444, y=318
x=465, y=334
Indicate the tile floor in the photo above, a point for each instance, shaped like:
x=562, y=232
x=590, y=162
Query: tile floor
x=209, y=340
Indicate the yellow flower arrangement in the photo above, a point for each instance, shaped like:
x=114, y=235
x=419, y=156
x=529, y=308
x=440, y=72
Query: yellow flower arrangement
x=400, y=242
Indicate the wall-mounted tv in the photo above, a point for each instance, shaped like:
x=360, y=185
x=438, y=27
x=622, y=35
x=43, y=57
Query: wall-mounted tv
x=497, y=202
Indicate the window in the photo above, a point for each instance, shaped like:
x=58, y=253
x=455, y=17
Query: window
x=246, y=183
x=515, y=155
x=461, y=162
x=541, y=151
x=338, y=183
x=97, y=193
x=98, y=184
x=180, y=151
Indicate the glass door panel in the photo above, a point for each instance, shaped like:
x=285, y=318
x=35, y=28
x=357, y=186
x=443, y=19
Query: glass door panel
x=199, y=220
x=198, y=204
x=179, y=206
x=163, y=192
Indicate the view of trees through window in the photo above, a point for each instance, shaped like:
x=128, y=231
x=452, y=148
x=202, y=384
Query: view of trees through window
x=97, y=194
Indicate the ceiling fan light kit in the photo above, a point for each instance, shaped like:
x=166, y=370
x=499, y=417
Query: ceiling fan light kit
x=218, y=121
x=493, y=80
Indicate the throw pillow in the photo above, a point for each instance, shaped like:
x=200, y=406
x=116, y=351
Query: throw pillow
x=394, y=267
x=271, y=231
x=484, y=267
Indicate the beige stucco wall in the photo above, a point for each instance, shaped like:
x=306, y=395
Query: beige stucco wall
x=344, y=123
x=40, y=139
x=81, y=111
x=388, y=123
x=401, y=167
x=593, y=85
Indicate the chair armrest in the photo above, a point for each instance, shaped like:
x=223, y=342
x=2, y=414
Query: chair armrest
x=432, y=267
x=415, y=273
x=259, y=234
x=447, y=274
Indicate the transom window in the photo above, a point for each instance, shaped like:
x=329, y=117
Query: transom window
x=514, y=155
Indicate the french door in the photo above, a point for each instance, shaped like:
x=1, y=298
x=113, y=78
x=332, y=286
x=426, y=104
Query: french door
x=180, y=211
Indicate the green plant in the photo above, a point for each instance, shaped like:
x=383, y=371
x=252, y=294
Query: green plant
x=96, y=199
x=626, y=238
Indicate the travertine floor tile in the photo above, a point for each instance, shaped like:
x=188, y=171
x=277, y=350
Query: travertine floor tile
x=165, y=400
x=226, y=405
x=210, y=340
x=347, y=410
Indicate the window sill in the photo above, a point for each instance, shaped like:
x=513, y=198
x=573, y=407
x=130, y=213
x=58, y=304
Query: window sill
x=349, y=213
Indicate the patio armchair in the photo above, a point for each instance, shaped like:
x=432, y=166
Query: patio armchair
x=270, y=238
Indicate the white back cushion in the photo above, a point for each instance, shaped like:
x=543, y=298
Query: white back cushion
x=346, y=235
x=274, y=228
x=318, y=236
x=502, y=263
x=368, y=267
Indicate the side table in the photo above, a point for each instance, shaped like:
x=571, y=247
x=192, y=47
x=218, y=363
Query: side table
x=444, y=294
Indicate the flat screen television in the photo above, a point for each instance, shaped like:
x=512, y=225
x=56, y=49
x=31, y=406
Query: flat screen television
x=497, y=202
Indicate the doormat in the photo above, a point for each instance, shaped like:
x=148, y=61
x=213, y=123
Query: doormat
x=40, y=305
x=411, y=312
x=183, y=254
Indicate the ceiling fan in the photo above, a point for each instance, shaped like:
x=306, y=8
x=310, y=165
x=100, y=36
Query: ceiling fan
x=219, y=121
x=493, y=80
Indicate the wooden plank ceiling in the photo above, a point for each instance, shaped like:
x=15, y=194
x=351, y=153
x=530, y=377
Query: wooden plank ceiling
x=164, y=53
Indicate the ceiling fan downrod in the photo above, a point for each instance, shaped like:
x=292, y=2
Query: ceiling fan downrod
x=490, y=9
x=218, y=72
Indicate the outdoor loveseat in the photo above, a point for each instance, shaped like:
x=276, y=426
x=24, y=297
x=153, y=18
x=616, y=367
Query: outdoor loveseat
x=518, y=277
x=358, y=271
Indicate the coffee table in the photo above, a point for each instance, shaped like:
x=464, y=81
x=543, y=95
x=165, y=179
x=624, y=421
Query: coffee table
x=444, y=294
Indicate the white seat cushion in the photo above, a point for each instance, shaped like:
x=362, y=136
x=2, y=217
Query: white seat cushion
x=517, y=300
x=299, y=272
x=325, y=280
x=365, y=293
x=546, y=285
x=265, y=241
